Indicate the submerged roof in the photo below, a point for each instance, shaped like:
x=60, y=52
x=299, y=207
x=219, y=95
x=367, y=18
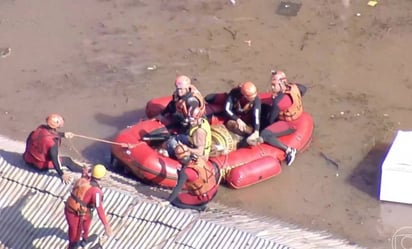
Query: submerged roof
x=32, y=204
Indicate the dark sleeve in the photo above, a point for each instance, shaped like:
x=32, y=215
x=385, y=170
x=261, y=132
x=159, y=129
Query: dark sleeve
x=28, y=139
x=170, y=108
x=257, y=111
x=229, y=107
x=274, y=111
x=54, y=155
x=181, y=180
x=302, y=89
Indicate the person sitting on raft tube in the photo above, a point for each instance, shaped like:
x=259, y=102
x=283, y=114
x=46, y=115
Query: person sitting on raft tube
x=286, y=106
x=198, y=135
x=184, y=97
x=243, y=107
x=42, y=146
x=200, y=177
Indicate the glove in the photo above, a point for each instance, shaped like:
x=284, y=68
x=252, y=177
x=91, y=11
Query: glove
x=68, y=135
x=66, y=178
x=108, y=230
x=241, y=125
x=253, y=138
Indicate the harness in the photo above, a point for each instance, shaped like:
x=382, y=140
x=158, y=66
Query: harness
x=204, y=124
x=75, y=203
x=208, y=178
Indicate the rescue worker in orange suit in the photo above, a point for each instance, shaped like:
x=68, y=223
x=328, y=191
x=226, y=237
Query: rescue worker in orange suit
x=198, y=136
x=286, y=106
x=201, y=179
x=243, y=107
x=184, y=97
x=86, y=196
x=42, y=146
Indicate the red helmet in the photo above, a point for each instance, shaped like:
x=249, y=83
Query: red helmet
x=182, y=152
x=248, y=90
x=55, y=121
x=183, y=82
x=279, y=77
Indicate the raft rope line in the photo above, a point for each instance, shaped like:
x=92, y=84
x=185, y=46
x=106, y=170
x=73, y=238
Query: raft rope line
x=77, y=151
x=126, y=145
x=225, y=170
x=104, y=141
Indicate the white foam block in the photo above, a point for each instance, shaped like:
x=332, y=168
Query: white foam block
x=396, y=178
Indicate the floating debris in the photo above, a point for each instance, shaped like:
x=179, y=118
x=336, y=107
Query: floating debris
x=233, y=2
x=372, y=3
x=286, y=8
x=248, y=42
x=152, y=67
x=330, y=162
x=4, y=52
x=358, y=14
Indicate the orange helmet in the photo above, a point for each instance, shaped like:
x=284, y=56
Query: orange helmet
x=279, y=77
x=183, y=82
x=248, y=90
x=182, y=152
x=55, y=121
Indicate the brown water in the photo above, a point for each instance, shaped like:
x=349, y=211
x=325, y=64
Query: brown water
x=88, y=61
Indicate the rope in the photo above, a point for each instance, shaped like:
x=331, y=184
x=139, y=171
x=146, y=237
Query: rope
x=77, y=152
x=102, y=140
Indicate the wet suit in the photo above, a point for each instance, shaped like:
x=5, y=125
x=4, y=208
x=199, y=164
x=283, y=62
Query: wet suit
x=280, y=102
x=235, y=96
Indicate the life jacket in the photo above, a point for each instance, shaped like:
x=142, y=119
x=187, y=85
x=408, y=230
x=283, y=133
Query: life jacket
x=206, y=180
x=75, y=202
x=38, y=145
x=204, y=124
x=181, y=102
x=296, y=109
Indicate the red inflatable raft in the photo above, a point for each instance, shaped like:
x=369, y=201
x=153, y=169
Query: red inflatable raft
x=240, y=168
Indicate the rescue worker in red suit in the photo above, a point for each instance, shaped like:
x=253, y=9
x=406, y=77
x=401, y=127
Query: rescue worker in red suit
x=243, y=108
x=86, y=196
x=184, y=97
x=42, y=146
x=201, y=179
x=286, y=106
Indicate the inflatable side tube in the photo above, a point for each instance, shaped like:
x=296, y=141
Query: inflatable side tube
x=155, y=106
x=142, y=160
x=301, y=138
x=253, y=172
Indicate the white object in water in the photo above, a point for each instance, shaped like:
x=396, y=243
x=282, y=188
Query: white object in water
x=396, y=178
